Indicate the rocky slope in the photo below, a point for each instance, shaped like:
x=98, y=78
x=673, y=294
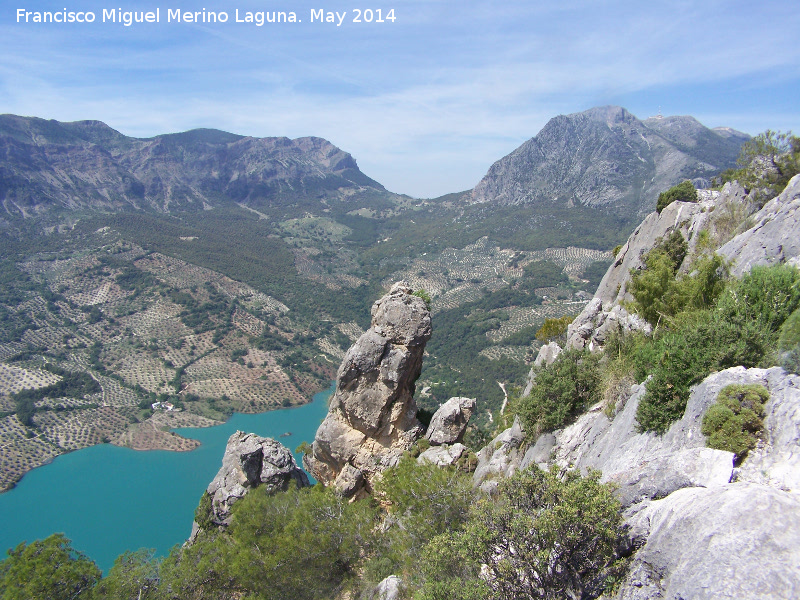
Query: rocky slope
x=88, y=165
x=372, y=416
x=772, y=239
x=699, y=526
x=250, y=461
x=607, y=158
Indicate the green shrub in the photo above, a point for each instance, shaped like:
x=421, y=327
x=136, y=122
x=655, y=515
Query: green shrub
x=543, y=536
x=765, y=294
x=426, y=297
x=734, y=423
x=425, y=501
x=553, y=329
x=659, y=293
x=683, y=357
x=300, y=544
x=560, y=392
x=790, y=360
x=684, y=192
x=790, y=332
x=48, y=568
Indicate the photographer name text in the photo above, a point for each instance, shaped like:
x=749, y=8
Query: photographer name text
x=129, y=18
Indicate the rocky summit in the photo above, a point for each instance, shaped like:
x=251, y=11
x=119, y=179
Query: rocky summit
x=607, y=158
x=372, y=418
x=251, y=461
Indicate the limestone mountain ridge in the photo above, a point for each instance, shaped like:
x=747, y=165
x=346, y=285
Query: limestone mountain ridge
x=88, y=165
x=605, y=157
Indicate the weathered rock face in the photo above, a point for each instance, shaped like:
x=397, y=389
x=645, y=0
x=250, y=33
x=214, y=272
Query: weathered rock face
x=703, y=528
x=775, y=237
x=250, y=461
x=88, y=165
x=732, y=541
x=500, y=458
x=596, y=322
x=372, y=416
x=443, y=456
x=449, y=422
x=711, y=213
x=600, y=157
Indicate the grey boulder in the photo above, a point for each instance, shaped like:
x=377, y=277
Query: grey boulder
x=450, y=421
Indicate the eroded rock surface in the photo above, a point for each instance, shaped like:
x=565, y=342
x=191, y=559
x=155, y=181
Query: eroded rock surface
x=775, y=237
x=443, y=456
x=500, y=458
x=250, y=461
x=733, y=541
x=449, y=422
x=372, y=416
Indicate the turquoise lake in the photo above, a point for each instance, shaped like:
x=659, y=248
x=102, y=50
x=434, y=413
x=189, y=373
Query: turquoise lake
x=108, y=500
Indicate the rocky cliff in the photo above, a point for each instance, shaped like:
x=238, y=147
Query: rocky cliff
x=251, y=461
x=372, y=416
x=606, y=157
x=699, y=525
x=87, y=165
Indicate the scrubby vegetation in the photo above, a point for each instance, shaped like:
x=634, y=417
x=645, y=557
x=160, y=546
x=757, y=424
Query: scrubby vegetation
x=683, y=192
x=735, y=422
x=543, y=535
x=766, y=163
x=560, y=392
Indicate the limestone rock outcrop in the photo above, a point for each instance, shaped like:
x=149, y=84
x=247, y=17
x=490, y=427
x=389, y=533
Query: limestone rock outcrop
x=732, y=541
x=714, y=212
x=443, y=456
x=500, y=458
x=449, y=422
x=596, y=322
x=775, y=237
x=372, y=416
x=251, y=461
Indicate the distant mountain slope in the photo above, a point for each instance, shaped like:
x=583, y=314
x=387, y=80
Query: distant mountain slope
x=607, y=158
x=88, y=165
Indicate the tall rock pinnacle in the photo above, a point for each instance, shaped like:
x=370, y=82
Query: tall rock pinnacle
x=372, y=416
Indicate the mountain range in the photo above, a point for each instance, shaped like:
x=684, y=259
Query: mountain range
x=604, y=158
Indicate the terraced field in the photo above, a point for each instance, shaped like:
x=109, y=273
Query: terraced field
x=145, y=327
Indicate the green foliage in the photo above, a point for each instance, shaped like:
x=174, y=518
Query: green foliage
x=790, y=360
x=766, y=164
x=702, y=342
x=302, y=544
x=765, y=294
x=425, y=297
x=683, y=192
x=554, y=329
x=426, y=501
x=790, y=332
x=542, y=536
x=134, y=576
x=48, y=569
x=658, y=292
x=560, y=392
x=204, y=512
x=735, y=422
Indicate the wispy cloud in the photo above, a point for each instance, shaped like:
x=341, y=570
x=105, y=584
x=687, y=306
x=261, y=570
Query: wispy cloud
x=425, y=104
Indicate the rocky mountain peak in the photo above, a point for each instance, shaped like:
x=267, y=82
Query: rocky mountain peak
x=606, y=158
x=372, y=416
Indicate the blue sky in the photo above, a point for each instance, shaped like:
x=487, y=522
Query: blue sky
x=425, y=104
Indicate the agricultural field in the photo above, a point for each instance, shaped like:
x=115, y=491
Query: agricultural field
x=140, y=327
x=215, y=325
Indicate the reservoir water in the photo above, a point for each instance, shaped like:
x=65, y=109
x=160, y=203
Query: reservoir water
x=108, y=500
